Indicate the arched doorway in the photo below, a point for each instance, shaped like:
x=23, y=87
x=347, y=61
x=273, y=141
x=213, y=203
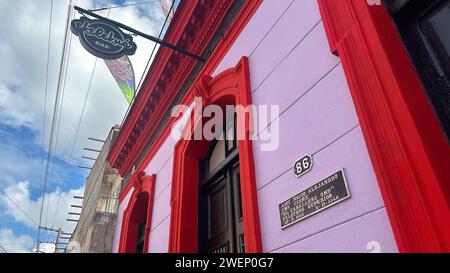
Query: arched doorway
x=187, y=234
x=136, y=225
x=137, y=217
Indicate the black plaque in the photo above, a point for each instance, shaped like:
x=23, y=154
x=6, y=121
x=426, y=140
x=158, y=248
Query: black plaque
x=322, y=195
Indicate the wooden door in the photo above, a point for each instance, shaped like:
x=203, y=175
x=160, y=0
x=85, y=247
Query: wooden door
x=221, y=228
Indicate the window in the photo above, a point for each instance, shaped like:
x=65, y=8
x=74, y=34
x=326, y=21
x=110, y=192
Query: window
x=423, y=26
x=221, y=228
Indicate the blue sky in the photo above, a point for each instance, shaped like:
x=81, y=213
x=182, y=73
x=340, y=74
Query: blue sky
x=24, y=140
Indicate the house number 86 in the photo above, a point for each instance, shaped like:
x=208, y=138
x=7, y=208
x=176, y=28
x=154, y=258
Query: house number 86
x=303, y=165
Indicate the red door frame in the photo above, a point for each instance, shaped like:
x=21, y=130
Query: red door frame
x=229, y=87
x=141, y=184
x=408, y=150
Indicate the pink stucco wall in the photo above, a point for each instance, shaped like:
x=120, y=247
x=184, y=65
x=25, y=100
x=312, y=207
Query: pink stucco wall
x=291, y=66
x=122, y=207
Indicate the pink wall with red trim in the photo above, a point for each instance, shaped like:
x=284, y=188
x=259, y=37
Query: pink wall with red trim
x=291, y=66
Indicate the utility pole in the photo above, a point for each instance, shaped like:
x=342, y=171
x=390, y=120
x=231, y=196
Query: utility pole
x=57, y=240
x=58, y=231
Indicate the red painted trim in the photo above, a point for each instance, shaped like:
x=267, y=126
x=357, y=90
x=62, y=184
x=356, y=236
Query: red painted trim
x=230, y=86
x=162, y=57
x=125, y=190
x=197, y=23
x=406, y=144
x=141, y=184
x=244, y=16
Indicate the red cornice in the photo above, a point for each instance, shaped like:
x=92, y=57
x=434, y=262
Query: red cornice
x=407, y=147
x=247, y=11
x=193, y=26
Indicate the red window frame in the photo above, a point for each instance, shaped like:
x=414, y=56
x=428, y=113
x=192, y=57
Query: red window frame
x=141, y=184
x=407, y=147
x=229, y=87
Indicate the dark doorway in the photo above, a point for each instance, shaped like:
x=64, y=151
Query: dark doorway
x=424, y=26
x=221, y=228
x=141, y=236
x=136, y=226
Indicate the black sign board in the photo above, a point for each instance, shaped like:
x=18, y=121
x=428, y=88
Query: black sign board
x=324, y=194
x=303, y=165
x=102, y=39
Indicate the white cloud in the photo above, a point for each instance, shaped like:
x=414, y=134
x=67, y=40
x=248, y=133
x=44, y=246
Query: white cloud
x=23, y=48
x=13, y=243
x=9, y=167
x=20, y=194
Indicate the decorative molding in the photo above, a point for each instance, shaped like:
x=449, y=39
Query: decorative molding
x=232, y=83
x=193, y=26
x=406, y=145
x=142, y=184
x=219, y=53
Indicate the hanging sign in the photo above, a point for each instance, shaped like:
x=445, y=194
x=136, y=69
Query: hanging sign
x=102, y=39
x=303, y=165
x=320, y=196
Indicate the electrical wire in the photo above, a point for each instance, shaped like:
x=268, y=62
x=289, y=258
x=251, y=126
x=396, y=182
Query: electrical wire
x=154, y=47
x=124, y=5
x=78, y=127
x=60, y=112
x=104, y=163
x=19, y=208
x=90, y=82
x=59, y=119
x=148, y=63
x=46, y=91
x=14, y=243
x=76, y=135
x=52, y=129
x=1, y=247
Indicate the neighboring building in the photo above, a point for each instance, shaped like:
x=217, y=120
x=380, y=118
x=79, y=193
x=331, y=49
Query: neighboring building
x=371, y=110
x=95, y=229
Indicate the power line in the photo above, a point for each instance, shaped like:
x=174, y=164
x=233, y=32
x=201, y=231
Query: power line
x=159, y=36
x=151, y=55
x=54, y=120
x=61, y=108
x=3, y=248
x=91, y=79
x=129, y=107
x=124, y=5
x=18, y=207
x=58, y=130
x=59, y=123
x=78, y=126
x=46, y=89
x=149, y=61
x=14, y=243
